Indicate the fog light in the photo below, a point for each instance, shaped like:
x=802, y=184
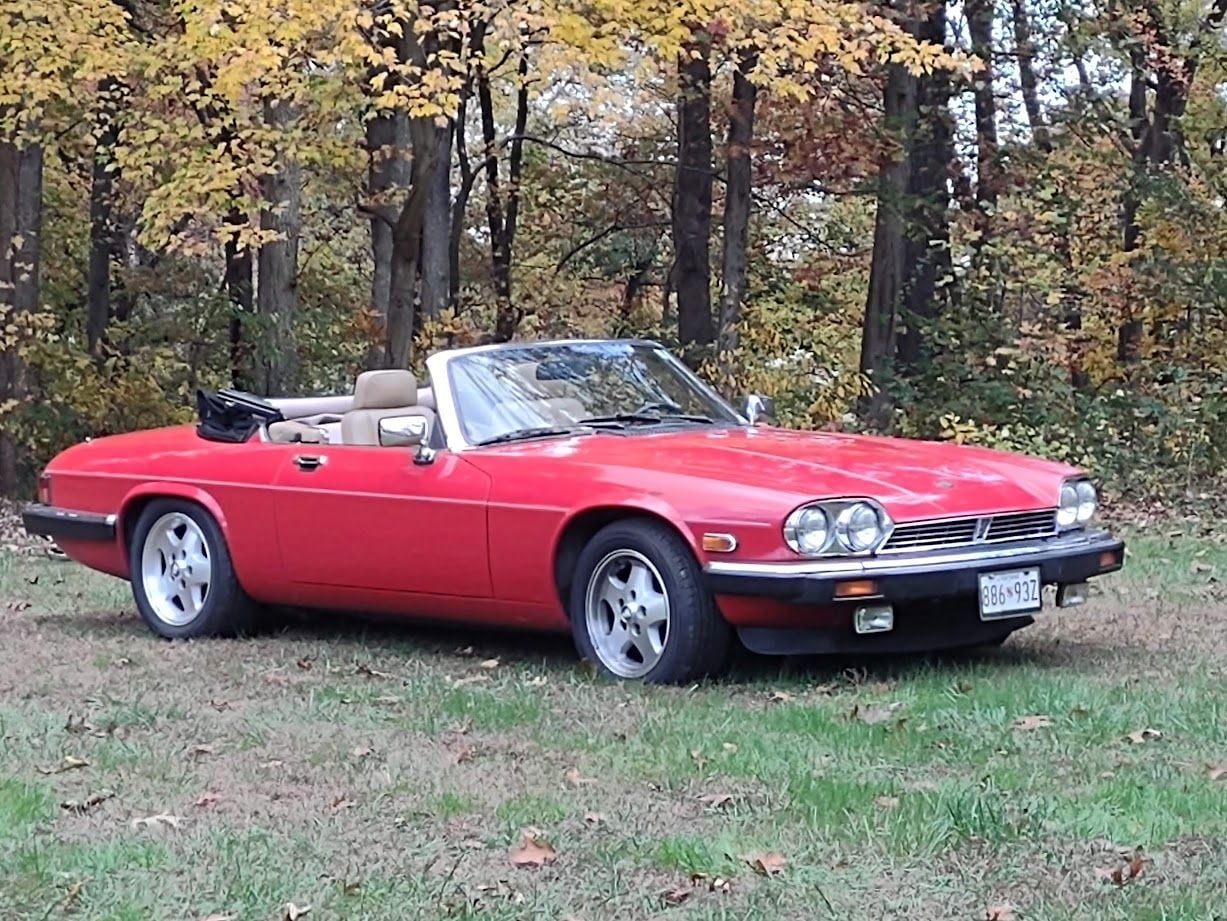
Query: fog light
x=1072, y=595
x=874, y=618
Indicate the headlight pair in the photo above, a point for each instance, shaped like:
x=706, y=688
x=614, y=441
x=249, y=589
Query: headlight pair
x=841, y=526
x=1078, y=504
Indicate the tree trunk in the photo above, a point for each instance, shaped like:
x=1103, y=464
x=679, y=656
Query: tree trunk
x=237, y=281
x=692, y=196
x=21, y=218
x=888, y=267
x=436, y=231
x=737, y=202
x=502, y=215
x=277, y=280
x=928, y=232
x=407, y=248
x=101, y=222
x=988, y=169
x=387, y=141
x=1025, y=47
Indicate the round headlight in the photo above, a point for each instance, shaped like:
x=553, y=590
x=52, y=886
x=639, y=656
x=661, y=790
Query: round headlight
x=1088, y=500
x=807, y=530
x=859, y=528
x=1067, y=511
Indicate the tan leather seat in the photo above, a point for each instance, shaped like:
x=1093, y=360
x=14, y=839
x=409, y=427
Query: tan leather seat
x=379, y=395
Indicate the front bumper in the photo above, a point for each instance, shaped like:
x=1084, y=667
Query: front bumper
x=1062, y=560
x=66, y=524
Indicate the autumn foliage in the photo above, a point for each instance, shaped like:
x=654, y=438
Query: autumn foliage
x=979, y=223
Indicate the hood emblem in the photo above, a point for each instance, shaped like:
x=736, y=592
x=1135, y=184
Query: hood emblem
x=982, y=528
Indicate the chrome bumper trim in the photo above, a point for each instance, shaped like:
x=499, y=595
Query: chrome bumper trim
x=903, y=564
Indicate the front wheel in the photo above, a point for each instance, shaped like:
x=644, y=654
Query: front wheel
x=182, y=577
x=639, y=610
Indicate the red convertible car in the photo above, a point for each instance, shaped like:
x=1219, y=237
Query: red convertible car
x=596, y=487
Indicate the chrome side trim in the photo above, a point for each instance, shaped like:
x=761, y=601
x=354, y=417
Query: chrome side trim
x=922, y=561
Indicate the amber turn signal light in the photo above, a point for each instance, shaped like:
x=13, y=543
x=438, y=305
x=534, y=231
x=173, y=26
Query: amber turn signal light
x=1109, y=559
x=860, y=588
x=44, y=489
x=719, y=543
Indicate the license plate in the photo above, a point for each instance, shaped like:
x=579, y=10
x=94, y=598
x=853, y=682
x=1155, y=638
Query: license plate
x=1005, y=594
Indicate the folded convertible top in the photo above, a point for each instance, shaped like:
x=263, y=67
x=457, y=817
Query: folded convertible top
x=232, y=415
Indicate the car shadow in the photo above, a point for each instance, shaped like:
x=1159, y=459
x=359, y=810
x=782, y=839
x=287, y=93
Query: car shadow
x=557, y=652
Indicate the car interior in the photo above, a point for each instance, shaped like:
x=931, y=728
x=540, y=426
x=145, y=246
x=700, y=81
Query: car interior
x=354, y=419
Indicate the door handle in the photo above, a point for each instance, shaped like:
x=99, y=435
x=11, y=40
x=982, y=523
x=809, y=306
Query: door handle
x=308, y=462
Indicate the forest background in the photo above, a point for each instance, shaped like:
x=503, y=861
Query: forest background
x=989, y=222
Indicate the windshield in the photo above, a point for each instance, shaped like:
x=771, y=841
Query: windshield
x=509, y=390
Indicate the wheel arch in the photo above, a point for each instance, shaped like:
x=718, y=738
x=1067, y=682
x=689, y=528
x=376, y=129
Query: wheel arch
x=136, y=500
x=581, y=525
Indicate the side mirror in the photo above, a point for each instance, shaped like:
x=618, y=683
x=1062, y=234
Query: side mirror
x=402, y=431
x=759, y=409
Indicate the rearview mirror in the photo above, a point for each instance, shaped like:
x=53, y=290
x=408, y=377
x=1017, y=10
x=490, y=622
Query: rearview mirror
x=760, y=409
x=402, y=431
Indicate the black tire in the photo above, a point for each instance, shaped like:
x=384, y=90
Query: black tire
x=697, y=640
x=226, y=609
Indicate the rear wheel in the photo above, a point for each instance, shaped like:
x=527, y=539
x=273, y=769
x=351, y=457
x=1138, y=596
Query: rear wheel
x=639, y=610
x=182, y=576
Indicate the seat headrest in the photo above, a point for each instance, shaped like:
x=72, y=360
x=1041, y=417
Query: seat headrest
x=389, y=389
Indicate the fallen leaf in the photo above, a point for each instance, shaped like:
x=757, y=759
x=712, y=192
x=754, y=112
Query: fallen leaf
x=716, y=800
x=1029, y=723
x=293, y=912
x=18, y=606
x=489, y=663
x=887, y=802
x=595, y=819
x=872, y=716
x=574, y=779
x=537, y=681
x=532, y=851
x=696, y=755
x=202, y=750
x=729, y=747
x=780, y=697
x=999, y=913
x=208, y=800
x=720, y=884
x=465, y=651
x=272, y=765
x=1217, y=771
x=306, y=662
x=767, y=864
x=351, y=887
x=1144, y=735
x=277, y=678
x=363, y=669
x=677, y=895
x=342, y=802
x=465, y=754
x=162, y=819
x=468, y=679
x=80, y=807
x=1131, y=870
x=219, y=705
x=362, y=752
x=68, y=764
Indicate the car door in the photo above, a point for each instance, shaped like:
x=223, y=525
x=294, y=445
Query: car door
x=359, y=517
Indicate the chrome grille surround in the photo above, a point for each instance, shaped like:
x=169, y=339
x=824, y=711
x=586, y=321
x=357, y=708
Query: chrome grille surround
x=941, y=533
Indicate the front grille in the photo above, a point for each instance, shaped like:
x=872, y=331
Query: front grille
x=964, y=532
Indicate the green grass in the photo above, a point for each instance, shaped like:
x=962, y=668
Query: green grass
x=376, y=772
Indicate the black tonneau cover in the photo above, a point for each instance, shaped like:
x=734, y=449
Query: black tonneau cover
x=232, y=415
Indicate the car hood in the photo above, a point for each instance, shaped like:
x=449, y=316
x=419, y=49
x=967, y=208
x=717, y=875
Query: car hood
x=912, y=479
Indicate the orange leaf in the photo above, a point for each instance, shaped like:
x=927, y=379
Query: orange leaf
x=532, y=852
x=767, y=864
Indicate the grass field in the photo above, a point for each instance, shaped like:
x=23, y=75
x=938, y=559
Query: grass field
x=390, y=772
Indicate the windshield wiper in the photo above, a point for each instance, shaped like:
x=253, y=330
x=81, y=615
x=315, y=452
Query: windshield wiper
x=541, y=431
x=645, y=419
